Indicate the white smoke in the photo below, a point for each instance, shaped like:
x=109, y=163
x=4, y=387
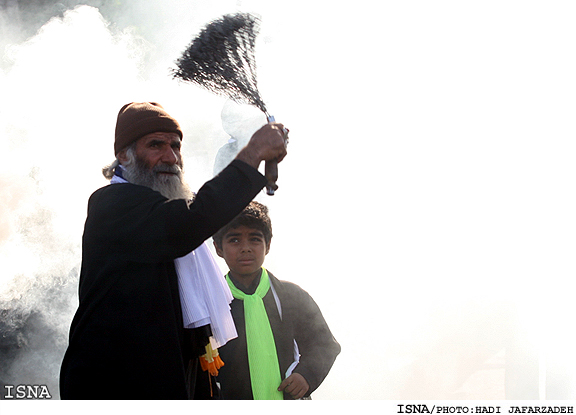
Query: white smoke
x=56, y=81
x=65, y=85
x=427, y=202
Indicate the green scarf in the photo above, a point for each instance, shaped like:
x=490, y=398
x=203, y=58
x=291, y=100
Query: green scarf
x=262, y=357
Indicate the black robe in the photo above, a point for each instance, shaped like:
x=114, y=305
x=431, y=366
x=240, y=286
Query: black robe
x=127, y=339
x=301, y=321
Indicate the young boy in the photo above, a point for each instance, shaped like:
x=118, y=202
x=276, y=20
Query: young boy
x=284, y=348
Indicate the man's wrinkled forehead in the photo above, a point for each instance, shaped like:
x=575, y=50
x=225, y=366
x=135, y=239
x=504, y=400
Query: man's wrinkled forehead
x=162, y=138
x=163, y=135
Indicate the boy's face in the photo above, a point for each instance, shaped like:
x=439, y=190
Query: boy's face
x=244, y=250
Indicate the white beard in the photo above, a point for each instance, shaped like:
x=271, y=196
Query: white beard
x=171, y=186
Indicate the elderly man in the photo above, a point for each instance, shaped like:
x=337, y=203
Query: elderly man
x=127, y=338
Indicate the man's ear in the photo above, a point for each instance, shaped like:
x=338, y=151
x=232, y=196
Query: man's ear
x=121, y=156
x=218, y=250
x=268, y=247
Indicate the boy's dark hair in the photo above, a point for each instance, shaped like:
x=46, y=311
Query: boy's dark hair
x=254, y=216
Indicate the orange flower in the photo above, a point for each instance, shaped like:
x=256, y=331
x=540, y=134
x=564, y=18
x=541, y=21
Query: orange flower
x=210, y=361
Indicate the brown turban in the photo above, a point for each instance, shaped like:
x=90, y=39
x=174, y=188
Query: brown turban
x=137, y=119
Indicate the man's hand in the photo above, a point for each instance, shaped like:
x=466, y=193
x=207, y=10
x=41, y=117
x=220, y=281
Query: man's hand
x=295, y=385
x=268, y=143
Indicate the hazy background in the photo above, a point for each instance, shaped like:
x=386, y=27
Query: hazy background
x=427, y=202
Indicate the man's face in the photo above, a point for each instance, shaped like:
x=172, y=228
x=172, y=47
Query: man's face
x=244, y=250
x=160, y=148
x=157, y=163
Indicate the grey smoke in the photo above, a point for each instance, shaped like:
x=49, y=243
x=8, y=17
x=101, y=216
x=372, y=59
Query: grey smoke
x=36, y=307
x=431, y=169
x=48, y=47
x=60, y=61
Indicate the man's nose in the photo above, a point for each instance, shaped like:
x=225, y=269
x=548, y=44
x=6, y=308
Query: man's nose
x=170, y=156
x=246, y=247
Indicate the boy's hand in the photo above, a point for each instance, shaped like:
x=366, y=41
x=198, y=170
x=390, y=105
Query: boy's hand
x=295, y=385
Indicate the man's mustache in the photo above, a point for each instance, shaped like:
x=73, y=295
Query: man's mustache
x=167, y=168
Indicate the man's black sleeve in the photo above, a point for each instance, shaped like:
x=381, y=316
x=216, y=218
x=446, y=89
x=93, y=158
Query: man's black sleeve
x=135, y=223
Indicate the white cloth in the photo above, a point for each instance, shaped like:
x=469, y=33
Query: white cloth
x=204, y=293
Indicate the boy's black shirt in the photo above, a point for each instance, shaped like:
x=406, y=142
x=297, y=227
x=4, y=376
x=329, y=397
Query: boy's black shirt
x=301, y=320
x=251, y=289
